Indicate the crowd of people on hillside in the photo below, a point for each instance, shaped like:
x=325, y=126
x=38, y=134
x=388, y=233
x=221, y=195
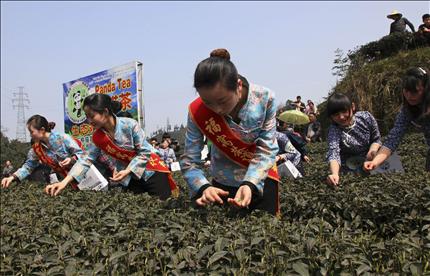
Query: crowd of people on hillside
x=246, y=135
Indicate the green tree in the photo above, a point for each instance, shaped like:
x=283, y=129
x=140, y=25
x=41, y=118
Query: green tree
x=13, y=150
x=341, y=64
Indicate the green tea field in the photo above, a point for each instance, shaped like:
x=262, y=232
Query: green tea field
x=378, y=224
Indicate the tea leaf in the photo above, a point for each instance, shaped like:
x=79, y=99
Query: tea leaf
x=216, y=256
x=301, y=268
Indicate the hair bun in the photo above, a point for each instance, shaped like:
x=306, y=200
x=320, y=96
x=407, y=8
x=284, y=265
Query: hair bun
x=51, y=125
x=221, y=53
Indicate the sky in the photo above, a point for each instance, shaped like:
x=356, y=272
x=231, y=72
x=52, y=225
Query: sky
x=288, y=47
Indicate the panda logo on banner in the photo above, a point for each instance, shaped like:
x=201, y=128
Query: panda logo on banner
x=74, y=102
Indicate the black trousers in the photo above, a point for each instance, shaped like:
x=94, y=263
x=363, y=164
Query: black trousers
x=157, y=185
x=269, y=202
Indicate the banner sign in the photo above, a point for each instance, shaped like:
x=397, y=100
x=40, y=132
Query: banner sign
x=122, y=83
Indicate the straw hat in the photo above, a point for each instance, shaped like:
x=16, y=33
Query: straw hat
x=393, y=14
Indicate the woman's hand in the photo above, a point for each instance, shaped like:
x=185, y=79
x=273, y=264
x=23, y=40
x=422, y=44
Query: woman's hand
x=371, y=154
x=373, y=151
x=369, y=166
x=333, y=179
x=56, y=188
x=5, y=182
x=306, y=159
x=211, y=195
x=118, y=176
x=382, y=155
x=243, y=197
x=66, y=162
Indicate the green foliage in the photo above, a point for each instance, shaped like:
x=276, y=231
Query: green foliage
x=13, y=150
x=341, y=64
x=387, y=46
x=368, y=225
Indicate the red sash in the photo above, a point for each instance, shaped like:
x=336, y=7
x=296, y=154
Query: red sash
x=38, y=149
x=102, y=141
x=218, y=131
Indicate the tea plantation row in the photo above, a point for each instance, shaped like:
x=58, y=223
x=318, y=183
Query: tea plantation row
x=378, y=224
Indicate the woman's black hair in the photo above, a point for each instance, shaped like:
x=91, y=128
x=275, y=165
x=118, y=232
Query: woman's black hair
x=38, y=122
x=216, y=69
x=411, y=80
x=100, y=102
x=338, y=102
x=245, y=82
x=124, y=114
x=165, y=139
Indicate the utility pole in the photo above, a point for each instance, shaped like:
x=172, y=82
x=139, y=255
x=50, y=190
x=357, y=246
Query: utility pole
x=21, y=102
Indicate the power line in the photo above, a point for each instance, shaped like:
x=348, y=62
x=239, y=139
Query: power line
x=20, y=101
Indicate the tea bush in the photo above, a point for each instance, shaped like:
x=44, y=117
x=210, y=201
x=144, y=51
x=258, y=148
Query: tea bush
x=378, y=224
x=385, y=47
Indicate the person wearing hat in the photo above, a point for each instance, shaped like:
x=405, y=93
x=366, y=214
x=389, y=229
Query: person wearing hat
x=400, y=22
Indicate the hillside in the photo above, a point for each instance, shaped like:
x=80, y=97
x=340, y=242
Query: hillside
x=374, y=83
